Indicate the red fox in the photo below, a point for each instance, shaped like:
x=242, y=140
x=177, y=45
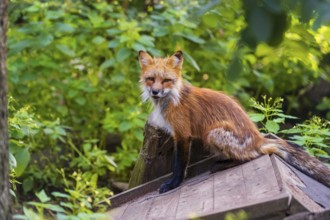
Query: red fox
x=188, y=112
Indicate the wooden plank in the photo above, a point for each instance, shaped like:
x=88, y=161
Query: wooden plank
x=116, y=213
x=229, y=189
x=138, y=209
x=259, y=179
x=314, y=189
x=277, y=172
x=251, y=181
x=164, y=206
x=196, y=197
x=294, y=185
x=274, y=208
x=131, y=194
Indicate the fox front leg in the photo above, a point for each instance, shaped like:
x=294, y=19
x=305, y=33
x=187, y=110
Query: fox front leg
x=180, y=162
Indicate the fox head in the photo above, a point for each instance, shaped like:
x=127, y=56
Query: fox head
x=161, y=77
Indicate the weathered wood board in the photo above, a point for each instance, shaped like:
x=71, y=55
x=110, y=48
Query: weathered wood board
x=258, y=187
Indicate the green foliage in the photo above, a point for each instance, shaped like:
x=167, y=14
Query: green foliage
x=74, y=76
x=268, y=20
x=29, y=139
x=270, y=114
x=73, y=205
x=314, y=134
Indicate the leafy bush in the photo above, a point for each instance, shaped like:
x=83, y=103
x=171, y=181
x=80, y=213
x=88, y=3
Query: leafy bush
x=270, y=114
x=313, y=134
x=82, y=193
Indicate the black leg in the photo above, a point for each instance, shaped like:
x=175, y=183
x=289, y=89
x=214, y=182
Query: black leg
x=180, y=162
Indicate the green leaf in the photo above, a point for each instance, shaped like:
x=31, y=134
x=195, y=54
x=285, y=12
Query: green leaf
x=279, y=120
x=42, y=196
x=138, y=135
x=188, y=24
x=111, y=160
x=45, y=39
x=60, y=131
x=123, y=54
x=210, y=20
x=191, y=37
x=137, y=47
x=98, y=40
x=65, y=50
x=55, y=208
x=256, y=117
x=147, y=40
x=161, y=31
x=114, y=43
x=62, y=27
x=235, y=69
x=28, y=184
x=286, y=116
x=61, y=195
x=108, y=63
x=12, y=161
x=23, y=158
x=19, y=46
x=30, y=214
x=272, y=126
x=54, y=14
x=67, y=205
x=72, y=93
x=113, y=31
x=80, y=100
x=87, y=147
x=48, y=131
x=124, y=126
x=191, y=60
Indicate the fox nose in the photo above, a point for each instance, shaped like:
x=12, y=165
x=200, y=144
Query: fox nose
x=155, y=91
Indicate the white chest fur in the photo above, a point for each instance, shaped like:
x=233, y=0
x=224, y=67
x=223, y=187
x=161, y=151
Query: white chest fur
x=156, y=119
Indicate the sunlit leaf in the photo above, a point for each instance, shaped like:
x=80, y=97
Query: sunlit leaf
x=256, y=117
x=65, y=50
x=23, y=159
x=123, y=54
x=272, y=126
x=42, y=196
x=124, y=126
x=191, y=60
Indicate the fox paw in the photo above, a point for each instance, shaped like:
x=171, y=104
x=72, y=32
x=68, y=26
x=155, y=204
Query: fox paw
x=165, y=187
x=170, y=184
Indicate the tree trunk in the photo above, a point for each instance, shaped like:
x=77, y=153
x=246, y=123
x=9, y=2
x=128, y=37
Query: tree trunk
x=5, y=201
x=155, y=159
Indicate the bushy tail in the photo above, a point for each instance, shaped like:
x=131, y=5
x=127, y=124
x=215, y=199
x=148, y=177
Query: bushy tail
x=297, y=157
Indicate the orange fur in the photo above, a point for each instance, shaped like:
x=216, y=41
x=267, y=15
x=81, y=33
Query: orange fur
x=189, y=112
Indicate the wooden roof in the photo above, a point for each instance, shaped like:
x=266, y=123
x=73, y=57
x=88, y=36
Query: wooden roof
x=264, y=188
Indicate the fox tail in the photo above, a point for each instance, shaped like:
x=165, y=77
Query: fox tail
x=298, y=158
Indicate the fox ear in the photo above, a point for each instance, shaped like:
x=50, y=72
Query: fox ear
x=176, y=60
x=145, y=59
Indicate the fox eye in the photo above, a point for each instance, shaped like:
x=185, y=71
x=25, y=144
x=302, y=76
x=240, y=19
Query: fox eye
x=167, y=80
x=150, y=79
